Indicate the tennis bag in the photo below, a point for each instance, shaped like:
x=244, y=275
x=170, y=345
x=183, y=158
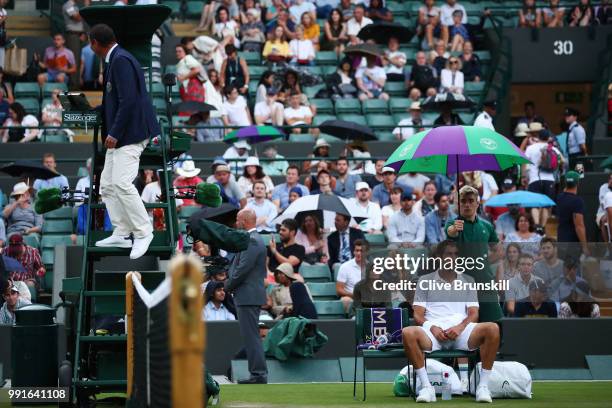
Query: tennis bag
x=435, y=370
x=509, y=379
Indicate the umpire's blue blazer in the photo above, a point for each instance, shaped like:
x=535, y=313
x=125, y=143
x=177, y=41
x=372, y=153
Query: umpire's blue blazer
x=127, y=112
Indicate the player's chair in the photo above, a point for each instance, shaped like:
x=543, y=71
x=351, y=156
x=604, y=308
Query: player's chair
x=369, y=325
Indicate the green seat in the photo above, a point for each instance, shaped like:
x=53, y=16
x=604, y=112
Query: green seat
x=330, y=309
x=374, y=106
x=396, y=8
x=160, y=106
x=355, y=118
x=57, y=226
x=251, y=58
x=395, y=88
x=188, y=210
x=323, y=105
x=386, y=137
x=380, y=122
x=49, y=137
x=48, y=256
x=399, y=105
x=27, y=90
x=266, y=238
x=318, y=119
x=322, y=290
x=32, y=240
x=255, y=72
x=316, y=71
x=49, y=87
x=430, y=116
x=253, y=88
x=315, y=273
x=170, y=69
x=485, y=56
x=30, y=105
x=175, y=6
x=157, y=90
x=326, y=58
x=474, y=87
x=62, y=212
x=311, y=91
x=466, y=117
x=376, y=239
x=351, y=105
x=51, y=241
x=194, y=9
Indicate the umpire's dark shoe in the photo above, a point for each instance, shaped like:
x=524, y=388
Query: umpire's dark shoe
x=254, y=380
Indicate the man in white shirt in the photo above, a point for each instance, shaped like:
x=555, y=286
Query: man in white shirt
x=447, y=10
x=414, y=180
x=489, y=186
x=406, y=228
x=605, y=200
x=372, y=224
x=485, y=118
x=350, y=273
x=300, y=7
x=448, y=319
x=269, y=112
x=370, y=80
x=265, y=210
x=215, y=310
x=415, y=123
x=576, y=137
x=239, y=150
x=355, y=24
x=83, y=183
x=297, y=115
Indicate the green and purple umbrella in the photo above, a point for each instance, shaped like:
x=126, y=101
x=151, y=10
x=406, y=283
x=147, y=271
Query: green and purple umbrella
x=254, y=134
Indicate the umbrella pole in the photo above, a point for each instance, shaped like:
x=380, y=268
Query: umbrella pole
x=457, y=181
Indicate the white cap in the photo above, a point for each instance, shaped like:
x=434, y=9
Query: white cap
x=242, y=144
x=415, y=106
x=388, y=169
x=19, y=189
x=252, y=161
x=362, y=185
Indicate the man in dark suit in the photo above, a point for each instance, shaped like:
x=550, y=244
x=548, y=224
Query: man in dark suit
x=341, y=242
x=246, y=281
x=128, y=122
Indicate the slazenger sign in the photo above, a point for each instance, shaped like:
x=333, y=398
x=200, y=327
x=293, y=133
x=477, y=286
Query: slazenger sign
x=80, y=117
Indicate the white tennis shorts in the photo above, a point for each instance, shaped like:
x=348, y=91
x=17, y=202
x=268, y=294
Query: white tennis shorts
x=460, y=343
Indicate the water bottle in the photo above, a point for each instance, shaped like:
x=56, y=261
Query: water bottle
x=446, y=387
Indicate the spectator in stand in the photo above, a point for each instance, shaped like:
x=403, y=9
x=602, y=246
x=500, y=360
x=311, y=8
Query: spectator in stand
x=312, y=31
x=6, y=89
x=235, y=109
x=75, y=28
x=382, y=192
x=276, y=167
x=508, y=268
x=436, y=219
x=537, y=304
x=291, y=85
x=252, y=30
x=213, y=96
x=342, y=81
x=58, y=61
x=59, y=181
x=345, y=182
x=393, y=207
x=518, y=286
x=426, y=203
x=350, y=273
x=266, y=82
x=319, y=151
x=376, y=177
x=341, y=242
x=280, y=301
x=428, y=24
x=541, y=179
x=573, y=293
x=203, y=133
x=570, y=214
x=280, y=194
x=283, y=20
x=253, y=172
x=2, y=232
x=299, y=7
x=18, y=117
x=470, y=63
x=347, y=8
x=296, y=115
x=324, y=182
x=582, y=15
x=301, y=49
x=210, y=11
x=269, y=111
x=529, y=15
x=578, y=305
x=506, y=223
x=530, y=114
x=264, y=209
x=451, y=77
x=312, y=237
x=287, y=250
x=230, y=192
x=377, y=12
x=576, y=136
x=276, y=49
x=4, y=107
x=214, y=309
x=372, y=224
x=438, y=56
x=423, y=76
x=12, y=301
x=371, y=80
x=335, y=32
x=146, y=177
x=458, y=32
x=553, y=15
x=3, y=35
x=485, y=118
x=395, y=61
x=416, y=182
x=549, y=267
x=446, y=17
x=355, y=24
x=406, y=228
x=52, y=116
x=239, y=150
x=604, y=13
x=525, y=235
x=187, y=175
x=605, y=202
x=448, y=118
x=414, y=124
x=234, y=71
x=29, y=258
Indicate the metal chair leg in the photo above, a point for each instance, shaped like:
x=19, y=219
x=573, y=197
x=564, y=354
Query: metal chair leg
x=355, y=377
x=364, y=378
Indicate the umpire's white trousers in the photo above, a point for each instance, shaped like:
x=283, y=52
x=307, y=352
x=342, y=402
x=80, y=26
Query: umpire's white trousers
x=125, y=207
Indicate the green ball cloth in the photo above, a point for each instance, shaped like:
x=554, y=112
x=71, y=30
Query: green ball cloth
x=208, y=195
x=48, y=199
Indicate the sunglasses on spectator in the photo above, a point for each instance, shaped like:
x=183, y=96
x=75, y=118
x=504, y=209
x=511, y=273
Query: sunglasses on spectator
x=454, y=61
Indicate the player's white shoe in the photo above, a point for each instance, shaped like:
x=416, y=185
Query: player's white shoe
x=427, y=394
x=140, y=246
x=483, y=394
x=464, y=385
x=115, y=241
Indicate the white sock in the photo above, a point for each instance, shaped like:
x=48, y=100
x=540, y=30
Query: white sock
x=484, y=377
x=463, y=372
x=422, y=374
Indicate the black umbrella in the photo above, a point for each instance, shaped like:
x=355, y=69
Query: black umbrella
x=364, y=49
x=224, y=214
x=347, y=130
x=381, y=32
x=447, y=100
x=192, y=107
x=28, y=169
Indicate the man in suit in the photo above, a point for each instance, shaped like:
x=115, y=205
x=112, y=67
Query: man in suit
x=341, y=242
x=246, y=281
x=128, y=122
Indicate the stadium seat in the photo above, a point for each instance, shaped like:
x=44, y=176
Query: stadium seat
x=323, y=105
x=170, y=69
x=160, y=106
x=386, y=137
x=253, y=88
x=376, y=239
x=315, y=273
x=381, y=122
x=397, y=9
x=251, y=58
x=49, y=87
x=322, y=290
x=32, y=240
x=188, y=210
x=329, y=309
x=194, y=9
x=301, y=138
x=30, y=105
x=27, y=90
x=374, y=106
x=485, y=56
x=60, y=213
x=51, y=137
x=48, y=256
x=311, y=91
x=355, y=118
x=255, y=72
x=57, y=227
x=430, y=116
x=474, y=88
x=399, y=105
x=318, y=119
x=175, y=6
x=51, y=241
x=351, y=105
x=326, y=58
x=466, y=117
x=395, y=89
x=157, y=90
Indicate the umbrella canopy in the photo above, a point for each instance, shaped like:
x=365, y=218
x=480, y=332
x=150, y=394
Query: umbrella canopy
x=254, y=134
x=12, y=265
x=441, y=101
x=192, y=107
x=364, y=49
x=525, y=199
x=382, y=31
x=347, y=130
x=325, y=207
x=223, y=214
x=28, y=169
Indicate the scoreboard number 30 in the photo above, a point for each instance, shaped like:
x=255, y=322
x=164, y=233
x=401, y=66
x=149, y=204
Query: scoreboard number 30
x=563, y=47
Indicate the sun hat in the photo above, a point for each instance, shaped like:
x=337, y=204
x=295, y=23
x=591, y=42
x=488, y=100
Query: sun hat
x=287, y=269
x=188, y=169
x=19, y=189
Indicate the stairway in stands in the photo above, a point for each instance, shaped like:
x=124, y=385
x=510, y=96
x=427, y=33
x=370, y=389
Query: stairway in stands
x=28, y=25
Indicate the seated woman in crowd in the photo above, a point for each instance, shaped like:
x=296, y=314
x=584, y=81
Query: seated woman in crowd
x=189, y=74
x=394, y=207
x=525, y=235
x=508, y=267
x=19, y=117
x=335, y=32
x=553, y=15
x=470, y=63
x=582, y=15
x=269, y=111
x=439, y=56
x=235, y=109
x=244, y=7
x=210, y=12
x=52, y=116
x=529, y=15
x=265, y=83
x=312, y=237
x=458, y=32
x=395, y=61
x=312, y=31
x=253, y=172
x=302, y=50
x=342, y=82
x=20, y=215
x=428, y=24
x=234, y=71
x=276, y=48
x=6, y=87
x=291, y=86
x=226, y=28
x=451, y=78
x=252, y=30
x=377, y=12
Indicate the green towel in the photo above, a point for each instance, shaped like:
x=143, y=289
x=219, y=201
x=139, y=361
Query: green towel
x=293, y=336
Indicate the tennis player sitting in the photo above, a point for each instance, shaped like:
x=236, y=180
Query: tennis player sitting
x=448, y=319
